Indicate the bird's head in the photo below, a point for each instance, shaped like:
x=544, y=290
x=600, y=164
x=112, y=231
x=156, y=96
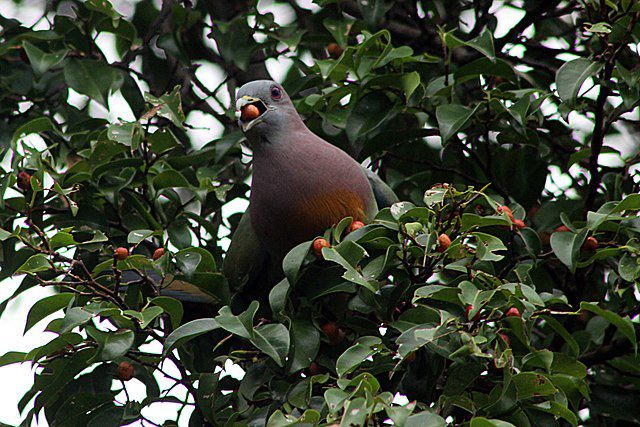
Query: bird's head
x=264, y=108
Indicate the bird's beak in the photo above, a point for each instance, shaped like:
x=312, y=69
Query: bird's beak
x=248, y=100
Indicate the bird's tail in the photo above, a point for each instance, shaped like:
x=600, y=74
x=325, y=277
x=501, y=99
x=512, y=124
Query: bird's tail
x=181, y=290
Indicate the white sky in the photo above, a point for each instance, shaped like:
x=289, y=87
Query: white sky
x=12, y=322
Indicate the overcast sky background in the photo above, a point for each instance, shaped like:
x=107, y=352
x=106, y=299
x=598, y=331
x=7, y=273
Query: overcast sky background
x=17, y=379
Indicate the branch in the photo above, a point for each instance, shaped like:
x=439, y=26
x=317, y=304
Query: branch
x=597, y=138
x=601, y=125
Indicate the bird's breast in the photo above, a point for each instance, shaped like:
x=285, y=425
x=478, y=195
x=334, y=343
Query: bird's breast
x=319, y=212
x=284, y=225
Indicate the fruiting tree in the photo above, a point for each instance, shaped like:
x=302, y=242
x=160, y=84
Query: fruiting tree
x=500, y=291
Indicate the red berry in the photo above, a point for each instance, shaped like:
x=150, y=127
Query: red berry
x=591, y=244
x=507, y=210
x=24, y=181
x=519, y=224
x=356, y=225
x=318, y=244
x=410, y=357
x=505, y=338
x=125, y=371
x=334, y=50
x=158, y=253
x=121, y=253
x=333, y=332
x=444, y=242
x=513, y=312
x=562, y=229
x=476, y=317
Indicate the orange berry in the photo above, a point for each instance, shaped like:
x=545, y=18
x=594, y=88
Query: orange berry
x=125, y=371
x=121, y=253
x=158, y=253
x=410, y=357
x=356, y=225
x=318, y=244
x=591, y=244
x=249, y=112
x=513, y=312
x=519, y=224
x=444, y=242
x=562, y=229
x=334, y=50
x=507, y=210
x=333, y=332
x=24, y=180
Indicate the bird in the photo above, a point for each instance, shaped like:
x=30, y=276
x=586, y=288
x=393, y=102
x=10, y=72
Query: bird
x=301, y=185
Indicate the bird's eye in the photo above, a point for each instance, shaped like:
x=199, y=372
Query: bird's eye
x=276, y=93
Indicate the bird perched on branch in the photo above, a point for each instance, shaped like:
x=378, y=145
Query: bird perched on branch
x=301, y=185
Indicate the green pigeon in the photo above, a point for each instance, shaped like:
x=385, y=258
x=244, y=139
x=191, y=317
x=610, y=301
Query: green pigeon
x=301, y=185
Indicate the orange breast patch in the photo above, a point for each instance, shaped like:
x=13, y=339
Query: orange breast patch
x=321, y=212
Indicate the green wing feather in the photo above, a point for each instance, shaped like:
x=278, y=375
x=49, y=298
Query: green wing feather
x=245, y=259
x=384, y=195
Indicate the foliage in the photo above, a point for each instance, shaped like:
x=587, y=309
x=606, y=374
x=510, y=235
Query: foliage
x=542, y=119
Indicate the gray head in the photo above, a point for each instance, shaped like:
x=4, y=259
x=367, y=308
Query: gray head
x=276, y=112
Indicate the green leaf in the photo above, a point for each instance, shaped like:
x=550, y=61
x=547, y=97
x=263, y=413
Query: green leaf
x=129, y=134
x=168, y=106
x=187, y=332
x=46, y=306
x=351, y=274
x=171, y=306
x=566, y=246
x=12, y=357
x=572, y=75
x=483, y=43
x=75, y=316
x=137, y=236
x=104, y=7
x=487, y=245
x=242, y=324
x=187, y=262
x=305, y=339
x=92, y=78
x=339, y=28
x=162, y=140
x=356, y=410
x=452, y=118
x=368, y=113
x=273, y=340
x=425, y=419
x=36, y=263
x=41, y=61
x=4, y=235
x=624, y=324
x=150, y=313
x=629, y=267
x=111, y=345
x=293, y=261
x=356, y=354
x=278, y=298
x=37, y=125
x=485, y=422
x=169, y=179
x=530, y=384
